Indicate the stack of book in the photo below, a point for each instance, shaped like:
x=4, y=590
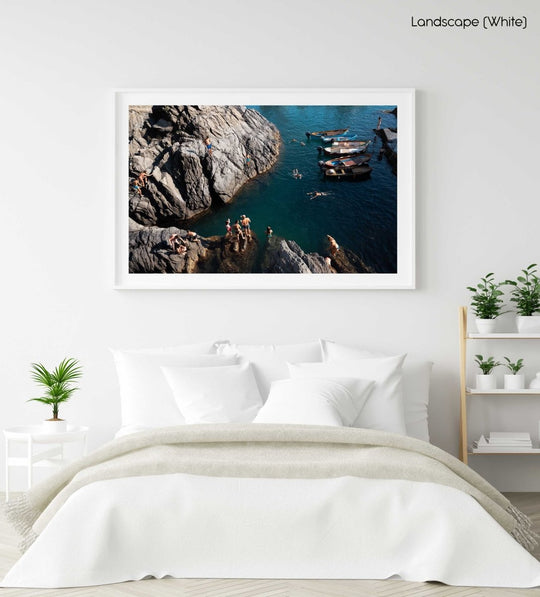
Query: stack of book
x=504, y=441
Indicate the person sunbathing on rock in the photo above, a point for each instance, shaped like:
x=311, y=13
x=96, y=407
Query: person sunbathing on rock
x=177, y=244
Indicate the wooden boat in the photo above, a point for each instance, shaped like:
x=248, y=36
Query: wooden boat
x=347, y=161
x=337, y=138
x=338, y=150
x=362, y=171
x=350, y=143
x=326, y=133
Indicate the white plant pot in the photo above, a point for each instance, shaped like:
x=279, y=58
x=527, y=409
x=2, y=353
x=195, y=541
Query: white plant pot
x=486, y=326
x=486, y=382
x=514, y=382
x=528, y=324
x=50, y=426
x=535, y=382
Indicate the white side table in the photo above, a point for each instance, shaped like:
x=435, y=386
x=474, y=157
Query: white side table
x=32, y=436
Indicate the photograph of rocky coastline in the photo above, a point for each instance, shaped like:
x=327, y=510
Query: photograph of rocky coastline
x=262, y=189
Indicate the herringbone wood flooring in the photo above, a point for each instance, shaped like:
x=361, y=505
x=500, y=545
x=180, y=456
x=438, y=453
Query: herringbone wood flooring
x=528, y=502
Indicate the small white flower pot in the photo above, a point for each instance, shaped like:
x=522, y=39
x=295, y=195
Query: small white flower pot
x=535, y=382
x=486, y=326
x=486, y=382
x=528, y=324
x=514, y=382
x=54, y=426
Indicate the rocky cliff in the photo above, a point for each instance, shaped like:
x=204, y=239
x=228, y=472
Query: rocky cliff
x=185, y=177
x=150, y=253
x=286, y=257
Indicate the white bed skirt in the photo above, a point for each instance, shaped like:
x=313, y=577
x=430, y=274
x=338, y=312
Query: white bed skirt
x=188, y=526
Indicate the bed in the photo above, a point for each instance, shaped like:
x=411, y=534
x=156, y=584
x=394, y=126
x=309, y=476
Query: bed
x=295, y=461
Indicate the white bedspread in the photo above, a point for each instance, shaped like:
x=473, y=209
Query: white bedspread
x=185, y=526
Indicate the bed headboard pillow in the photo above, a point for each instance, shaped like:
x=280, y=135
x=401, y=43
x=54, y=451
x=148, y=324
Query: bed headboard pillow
x=269, y=361
x=383, y=409
x=225, y=395
x=315, y=401
x=146, y=399
x=416, y=382
x=207, y=347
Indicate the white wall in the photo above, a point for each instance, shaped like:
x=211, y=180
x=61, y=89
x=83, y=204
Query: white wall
x=477, y=164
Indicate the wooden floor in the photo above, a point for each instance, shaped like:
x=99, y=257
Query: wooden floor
x=528, y=502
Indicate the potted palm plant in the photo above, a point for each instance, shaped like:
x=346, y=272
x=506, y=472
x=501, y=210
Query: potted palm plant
x=486, y=303
x=58, y=388
x=525, y=295
x=486, y=380
x=514, y=380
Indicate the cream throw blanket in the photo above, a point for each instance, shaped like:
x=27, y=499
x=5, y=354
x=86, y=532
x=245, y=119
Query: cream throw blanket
x=256, y=450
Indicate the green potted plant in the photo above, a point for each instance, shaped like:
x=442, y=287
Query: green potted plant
x=486, y=303
x=514, y=380
x=486, y=380
x=58, y=388
x=525, y=295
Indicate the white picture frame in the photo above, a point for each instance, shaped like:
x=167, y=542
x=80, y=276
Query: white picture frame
x=403, y=99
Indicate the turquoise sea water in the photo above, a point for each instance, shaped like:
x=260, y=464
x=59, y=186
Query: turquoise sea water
x=360, y=215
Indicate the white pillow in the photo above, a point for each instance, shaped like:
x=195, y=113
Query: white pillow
x=384, y=407
x=269, y=361
x=315, y=401
x=416, y=382
x=224, y=395
x=187, y=349
x=146, y=399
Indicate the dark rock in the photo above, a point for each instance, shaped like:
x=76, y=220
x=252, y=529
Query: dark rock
x=150, y=253
x=185, y=178
x=286, y=257
x=226, y=256
x=347, y=262
x=163, y=126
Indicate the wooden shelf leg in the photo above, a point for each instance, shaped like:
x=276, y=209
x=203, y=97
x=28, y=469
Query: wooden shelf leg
x=463, y=384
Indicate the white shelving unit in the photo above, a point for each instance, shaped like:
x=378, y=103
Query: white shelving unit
x=42, y=449
x=501, y=392
x=508, y=451
x=467, y=393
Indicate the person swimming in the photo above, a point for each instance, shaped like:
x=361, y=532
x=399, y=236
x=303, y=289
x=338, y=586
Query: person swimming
x=314, y=194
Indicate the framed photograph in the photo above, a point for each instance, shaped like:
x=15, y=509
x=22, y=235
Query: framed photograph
x=265, y=188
